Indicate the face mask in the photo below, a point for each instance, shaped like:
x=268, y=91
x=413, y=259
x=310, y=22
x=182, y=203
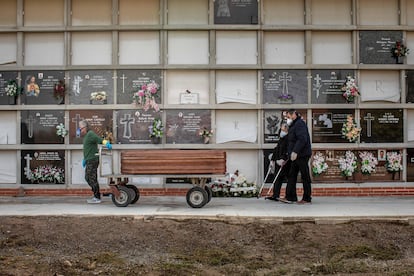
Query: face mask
x=283, y=134
x=289, y=121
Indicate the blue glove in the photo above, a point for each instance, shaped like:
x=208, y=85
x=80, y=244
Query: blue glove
x=83, y=163
x=108, y=145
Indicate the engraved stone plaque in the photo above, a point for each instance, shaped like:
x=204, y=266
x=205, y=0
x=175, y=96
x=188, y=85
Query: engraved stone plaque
x=39, y=126
x=5, y=77
x=183, y=126
x=133, y=126
x=38, y=87
x=327, y=125
x=327, y=85
x=375, y=46
x=43, y=166
x=410, y=86
x=236, y=12
x=100, y=121
x=285, y=87
x=382, y=126
x=91, y=87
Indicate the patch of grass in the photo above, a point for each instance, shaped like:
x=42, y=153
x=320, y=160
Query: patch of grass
x=339, y=266
x=365, y=251
x=214, y=256
x=109, y=258
x=177, y=268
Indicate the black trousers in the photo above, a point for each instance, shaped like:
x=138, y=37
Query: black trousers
x=301, y=164
x=91, y=176
x=279, y=181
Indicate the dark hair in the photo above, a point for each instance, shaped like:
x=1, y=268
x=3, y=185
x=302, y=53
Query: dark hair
x=293, y=111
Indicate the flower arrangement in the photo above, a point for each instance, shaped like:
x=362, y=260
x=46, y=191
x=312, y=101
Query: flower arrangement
x=204, y=132
x=319, y=165
x=393, y=162
x=59, y=89
x=285, y=97
x=61, y=130
x=236, y=185
x=348, y=163
x=399, y=50
x=48, y=174
x=156, y=130
x=12, y=89
x=98, y=96
x=350, y=89
x=145, y=96
x=368, y=162
x=350, y=131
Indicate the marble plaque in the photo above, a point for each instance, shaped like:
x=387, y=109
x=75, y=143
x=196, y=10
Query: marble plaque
x=327, y=85
x=327, y=125
x=132, y=126
x=382, y=126
x=38, y=87
x=183, y=126
x=5, y=77
x=333, y=173
x=285, y=87
x=100, y=121
x=410, y=164
x=43, y=166
x=236, y=12
x=375, y=46
x=271, y=122
x=39, y=126
x=410, y=86
x=91, y=87
x=130, y=81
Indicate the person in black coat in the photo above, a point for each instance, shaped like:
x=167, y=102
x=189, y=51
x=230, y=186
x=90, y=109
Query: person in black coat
x=299, y=151
x=280, y=159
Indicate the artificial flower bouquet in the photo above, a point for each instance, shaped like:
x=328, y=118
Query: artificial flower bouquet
x=146, y=96
x=204, y=132
x=236, y=185
x=368, y=162
x=350, y=131
x=98, y=96
x=350, y=89
x=59, y=90
x=399, y=50
x=61, y=130
x=348, y=164
x=156, y=130
x=319, y=165
x=393, y=162
x=48, y=174
x=12, y=89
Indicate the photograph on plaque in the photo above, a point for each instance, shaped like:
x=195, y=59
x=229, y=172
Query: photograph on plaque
x=39, y=87
x=410, y=86
x=236, y=12
x=272, y=120
x=327, y=125
x=39, y=126
x=94, y=87
x=333, y=172
x=133, y=126
x=184, y=126
x=100, y=121
x=375, y=46
x=130, y=82
x=43, y=167
x=5, y=78
x=327, y=86
x=382, y=126
x=285, y=87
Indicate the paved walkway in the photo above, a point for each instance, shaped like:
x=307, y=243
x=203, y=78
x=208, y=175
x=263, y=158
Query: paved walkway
x=322, y=210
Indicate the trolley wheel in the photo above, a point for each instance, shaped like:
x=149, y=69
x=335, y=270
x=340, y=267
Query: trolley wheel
x=197, y=197
x=136, y=192
x=209, y=193
x=124, y=197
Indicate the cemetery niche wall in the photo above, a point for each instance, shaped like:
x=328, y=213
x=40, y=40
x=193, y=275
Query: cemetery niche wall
x=43, y=166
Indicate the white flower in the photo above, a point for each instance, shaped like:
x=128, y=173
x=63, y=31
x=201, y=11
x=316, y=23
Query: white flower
x=348, y=163
x=368, y=162
x=318, y=164
x=393, y=163
x=61, y=130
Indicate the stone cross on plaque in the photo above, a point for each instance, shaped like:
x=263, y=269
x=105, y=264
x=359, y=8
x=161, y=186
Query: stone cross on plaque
x=27, y=170
x=76, y=120
x=369, y=118
x=30, y=122
x=127, y=121
x=123, y=78
x=284, y=78
x=317, y=85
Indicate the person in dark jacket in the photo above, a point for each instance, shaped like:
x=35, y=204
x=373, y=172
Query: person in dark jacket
x=280, y=159
x=299, y=151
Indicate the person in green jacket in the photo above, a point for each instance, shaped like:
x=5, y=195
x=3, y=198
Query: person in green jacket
x=90, y=158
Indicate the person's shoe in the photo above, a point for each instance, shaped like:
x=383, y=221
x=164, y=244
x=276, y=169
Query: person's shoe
x=271, y=198
x=94, y=200
x=304, y=202
x=284, y=200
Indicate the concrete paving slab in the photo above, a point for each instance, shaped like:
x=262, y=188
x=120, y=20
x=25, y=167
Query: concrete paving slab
x=323, y=210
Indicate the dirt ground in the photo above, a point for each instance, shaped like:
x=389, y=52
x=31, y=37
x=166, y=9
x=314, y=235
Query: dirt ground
x=128, y=246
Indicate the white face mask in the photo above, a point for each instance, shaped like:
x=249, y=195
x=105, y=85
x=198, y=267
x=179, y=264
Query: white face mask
x=283, y=134
x=289, y=121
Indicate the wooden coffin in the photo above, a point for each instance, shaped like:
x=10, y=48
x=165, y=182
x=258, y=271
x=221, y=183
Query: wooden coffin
x=173, y=162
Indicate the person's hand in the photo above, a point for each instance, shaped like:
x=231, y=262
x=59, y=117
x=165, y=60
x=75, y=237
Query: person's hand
x=107, y=144
x=293, y=156
x=83, y=163
x=280, y=162
x=272, y=166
